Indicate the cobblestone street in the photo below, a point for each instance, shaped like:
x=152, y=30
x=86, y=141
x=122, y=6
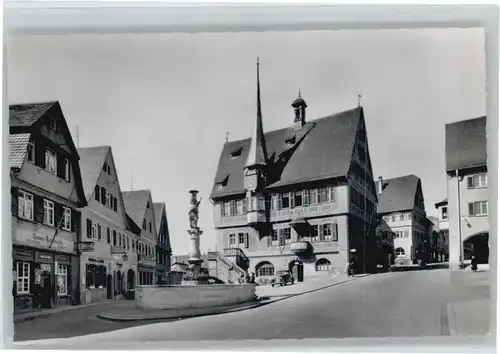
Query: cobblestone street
x=391, y=304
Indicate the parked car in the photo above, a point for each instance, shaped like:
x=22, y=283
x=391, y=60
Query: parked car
x=283, y=277
x=206, y=279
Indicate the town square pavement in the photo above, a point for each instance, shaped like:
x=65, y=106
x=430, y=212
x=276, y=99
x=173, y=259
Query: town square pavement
x=418, y=303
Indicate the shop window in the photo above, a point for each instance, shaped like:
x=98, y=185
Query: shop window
x=23, y=278
x=62, y=280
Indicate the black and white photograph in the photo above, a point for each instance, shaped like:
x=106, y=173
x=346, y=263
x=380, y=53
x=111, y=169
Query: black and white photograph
x=229, y=186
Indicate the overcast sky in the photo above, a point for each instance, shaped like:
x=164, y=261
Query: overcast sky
x=165, y=102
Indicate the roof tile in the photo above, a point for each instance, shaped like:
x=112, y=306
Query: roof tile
x=18, y=148
x=398, y=194
x=466, y=144
x=322, y=149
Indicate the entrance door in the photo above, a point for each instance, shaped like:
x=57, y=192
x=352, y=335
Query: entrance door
x=109, y=286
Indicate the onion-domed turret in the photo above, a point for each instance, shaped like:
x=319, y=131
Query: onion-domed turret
x=299, y=105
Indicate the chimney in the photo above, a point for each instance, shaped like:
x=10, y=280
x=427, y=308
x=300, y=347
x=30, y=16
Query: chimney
x=380, y=185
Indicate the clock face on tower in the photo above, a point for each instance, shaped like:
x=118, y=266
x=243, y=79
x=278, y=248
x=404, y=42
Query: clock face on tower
x=250, y=180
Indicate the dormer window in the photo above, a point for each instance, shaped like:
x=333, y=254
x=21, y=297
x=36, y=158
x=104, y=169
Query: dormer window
x=237, y=152
x=105, y=167
x=222, y=183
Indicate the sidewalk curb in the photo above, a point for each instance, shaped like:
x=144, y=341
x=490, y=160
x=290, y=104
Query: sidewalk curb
x=169, y=317
x=288, y=296
x=29, y=316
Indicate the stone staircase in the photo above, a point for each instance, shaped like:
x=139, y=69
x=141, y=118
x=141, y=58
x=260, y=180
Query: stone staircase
x=224, y=268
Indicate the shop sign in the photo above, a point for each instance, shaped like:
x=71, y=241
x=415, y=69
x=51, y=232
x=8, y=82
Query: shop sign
x=85, y=246
x=23, y=255
x=63, y=259
x=46, y=241
x=117, y=250
x=43, y=257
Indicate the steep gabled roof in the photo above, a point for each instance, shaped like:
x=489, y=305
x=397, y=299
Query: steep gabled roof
x=321, y=149
x=466, y=144
x=18, y=149
x=91, y=162
x=159, y=208
x=25, y=115
x=27, y=118
x=398, y=194
x=136, y=203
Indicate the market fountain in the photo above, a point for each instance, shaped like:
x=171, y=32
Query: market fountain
x=193, y=292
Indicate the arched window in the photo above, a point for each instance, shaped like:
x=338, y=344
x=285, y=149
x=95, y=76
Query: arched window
x=323, y=265
x=264, y=269
x=400, y=252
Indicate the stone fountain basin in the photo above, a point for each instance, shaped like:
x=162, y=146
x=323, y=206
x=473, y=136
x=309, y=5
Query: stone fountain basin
x=170, y=297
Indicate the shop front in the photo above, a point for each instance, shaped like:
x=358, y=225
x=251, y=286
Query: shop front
x=146, y=275
x=43, y=279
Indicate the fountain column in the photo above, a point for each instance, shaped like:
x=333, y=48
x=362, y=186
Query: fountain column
x=194, y=234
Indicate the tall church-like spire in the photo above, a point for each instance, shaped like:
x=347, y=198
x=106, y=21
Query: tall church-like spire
x=257, y=156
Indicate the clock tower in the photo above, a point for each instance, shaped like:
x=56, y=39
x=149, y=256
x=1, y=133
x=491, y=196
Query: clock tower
x=255, y=170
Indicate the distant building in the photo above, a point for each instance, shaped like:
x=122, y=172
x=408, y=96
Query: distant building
x=443, y=229
x=433, y=238
x=110, y=270
x=46, y=192
x=163, y=249
x=301, y=198
x=401, y=206
x=468, y=192
x=139, y=205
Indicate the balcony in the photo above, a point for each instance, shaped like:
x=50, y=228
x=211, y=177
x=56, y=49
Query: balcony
x=301, y=248
x=256, y=217
x=237, y=256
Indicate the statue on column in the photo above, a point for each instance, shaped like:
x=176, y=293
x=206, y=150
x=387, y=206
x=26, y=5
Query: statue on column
x=193, y=210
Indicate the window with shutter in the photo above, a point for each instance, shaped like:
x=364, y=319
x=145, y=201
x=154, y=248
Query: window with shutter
x=99, y=236
x=281, y=237
x=108, y=234
x=14, y=201
x=335, y=232
x=114, y=237
x=470, y=182
x=97, y=192
x=306, y=197
x=40, y=154
x=38, y=209
x=321, y=234
x=103, y=196
x=89, y=228
x=247, y=241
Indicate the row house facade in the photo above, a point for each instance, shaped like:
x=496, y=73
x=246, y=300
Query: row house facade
x=109, y=269
x=300, y=198
x=443, y=229
x=401, y=207
x=46, y=195
x=139, y=205
x=163, y=249
x=467, y=191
